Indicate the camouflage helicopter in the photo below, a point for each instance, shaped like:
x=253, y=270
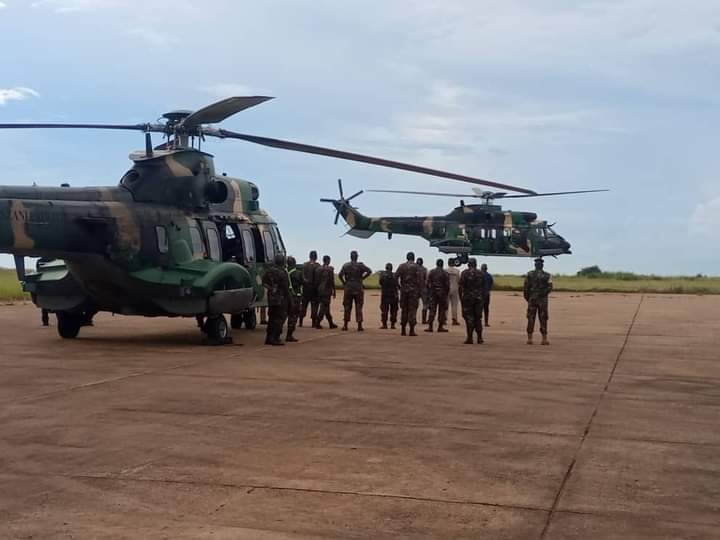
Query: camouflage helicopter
x=172, y=239
x=469, y=229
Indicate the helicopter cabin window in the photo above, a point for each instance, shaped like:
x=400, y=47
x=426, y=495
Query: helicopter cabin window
x=248, y=246
x=493, y=233
x=231, y=244
x=279, y=244
x=162, y=239
x=213, y=243
x=269, y=245
x=198, y=246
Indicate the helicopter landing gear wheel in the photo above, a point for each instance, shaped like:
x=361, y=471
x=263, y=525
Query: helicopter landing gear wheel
x=217, y=330
x=236, y=321
x=250, y=319
x=69, y=324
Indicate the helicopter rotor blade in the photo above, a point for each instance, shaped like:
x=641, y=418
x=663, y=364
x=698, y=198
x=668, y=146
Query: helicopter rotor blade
x=337, y=217
x=130, y=127
x=353, y=196
x=340, y=188
x=484, y=196
x=220, y=110
x=555, y=193
x=351, y=156
x=429, y=193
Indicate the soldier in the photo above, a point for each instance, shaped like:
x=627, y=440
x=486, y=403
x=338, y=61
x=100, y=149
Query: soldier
x=275, y=280
x=310, y=294
x=489, y=282
x=472, y=286
x=409, y=278
x=388, y=297
x=438, y=285
x=454, y=296
x=326, y=291
x=295, y=282
x=423, y=289
x=351, y=276
x=538, y=285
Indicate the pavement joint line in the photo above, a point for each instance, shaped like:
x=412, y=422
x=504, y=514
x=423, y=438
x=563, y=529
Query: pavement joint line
x=569, y=471
x=114, y=478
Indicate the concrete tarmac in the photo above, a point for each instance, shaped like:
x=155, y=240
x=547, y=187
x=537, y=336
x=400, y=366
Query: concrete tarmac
x=134, y=430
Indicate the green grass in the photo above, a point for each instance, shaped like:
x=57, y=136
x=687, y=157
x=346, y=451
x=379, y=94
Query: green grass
x=10, y=286
x=614, y=282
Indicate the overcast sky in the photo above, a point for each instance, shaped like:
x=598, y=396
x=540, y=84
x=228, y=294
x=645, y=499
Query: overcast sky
x=547, y=94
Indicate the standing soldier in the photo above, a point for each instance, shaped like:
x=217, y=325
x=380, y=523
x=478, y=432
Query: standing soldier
x=295, y=282
x=326, y=291
x=351, y=276
x=409, y=278
x=489, y=282
x=275, y=280
x=309, y=289
x=388, y=297
x=454, y=296
x=472, y=285
x=538, y=285
x=423, y=289
x=438, y=285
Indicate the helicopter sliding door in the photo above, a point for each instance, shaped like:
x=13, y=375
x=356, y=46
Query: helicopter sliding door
x=213, y=241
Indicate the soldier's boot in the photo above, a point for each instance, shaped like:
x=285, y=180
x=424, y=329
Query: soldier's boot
x=469, y=332
x=330, y=322
x=529, y=340
x=344, y=328
x=424, y=316
x=412, y=330
x=479, y=335
x=360, y=327
x=300, y=322
x=403, y=332
x=441, y=328
x=545, y=340
x=430, y=326
x=392, y=326
x=289, y=338
x=455, y=322
x=384, y=326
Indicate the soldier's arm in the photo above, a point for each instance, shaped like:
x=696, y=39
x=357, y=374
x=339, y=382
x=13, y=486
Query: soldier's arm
x=367, y=271
x=341, y=274
x=332, y=281
x=550, y=284
x=526, y=287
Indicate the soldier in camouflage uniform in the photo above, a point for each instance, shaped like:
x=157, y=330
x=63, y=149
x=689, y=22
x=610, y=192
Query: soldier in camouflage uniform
x=309, y=289
x=326, y=291
x=472, y=288
x=409, y=278
x=423, y=289
x=388, y=297
x=295, y=296
x=538, y=285
x=275, y=280
x=438, y=286
x=351, y=276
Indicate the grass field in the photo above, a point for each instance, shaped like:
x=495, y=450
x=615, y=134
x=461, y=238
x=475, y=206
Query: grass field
x=621, y=282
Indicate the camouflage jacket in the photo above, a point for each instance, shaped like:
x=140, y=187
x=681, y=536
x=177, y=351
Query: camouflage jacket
x=275, y=280
x=388, y=284
x=538, y=284
x=438, y=282
x=295, y=280
x=352, y=275
x=472, y=284
x=409, y=277
x=310, y=271
x=326, y=280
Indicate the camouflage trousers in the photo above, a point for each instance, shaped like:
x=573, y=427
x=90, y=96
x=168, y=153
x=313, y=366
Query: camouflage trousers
x=324, y=309
x=409, y=302
x=350, y=298
x=276, y=320
x=310, y=298
x=388, y=305
x=437, y=303
x=472, y=313
x=294, y=311
x=537, y=307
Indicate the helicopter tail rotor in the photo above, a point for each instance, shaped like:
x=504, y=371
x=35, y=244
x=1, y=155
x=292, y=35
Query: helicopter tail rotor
x=342, y=203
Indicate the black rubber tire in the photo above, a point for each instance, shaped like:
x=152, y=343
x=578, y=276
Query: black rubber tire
x=217, y=328
x=68, y=325
x=236, y=321
x=250, y=319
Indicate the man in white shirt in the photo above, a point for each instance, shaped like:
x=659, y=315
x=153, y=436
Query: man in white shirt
x=454, y=296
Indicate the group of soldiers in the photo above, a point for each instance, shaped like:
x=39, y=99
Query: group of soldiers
x=292, y=290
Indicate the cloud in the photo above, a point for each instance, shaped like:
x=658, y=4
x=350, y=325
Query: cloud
x=705, y=219
x=18, y=93
x=3, y=5
x=73, y=6
x=223, y=90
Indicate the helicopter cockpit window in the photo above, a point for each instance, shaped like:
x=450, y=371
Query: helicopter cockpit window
x=162, y=239
x=198, y=246
x=213, y=243
x=248, y=246
x=269, y=245
x=279, y=244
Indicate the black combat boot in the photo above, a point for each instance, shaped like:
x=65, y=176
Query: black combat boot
x=529, y=339
x=455, y=322
x=330, y=322
x=402, y=330
x=430, y=327
x=344, y=328
x=412, y=330
x=289, y=338
x=300, y=323
x=469, y=332
x=360, y=327
x=392, y=326
x=384, y=326
x=545, y=340
x=479, y=334
x=441, y=328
